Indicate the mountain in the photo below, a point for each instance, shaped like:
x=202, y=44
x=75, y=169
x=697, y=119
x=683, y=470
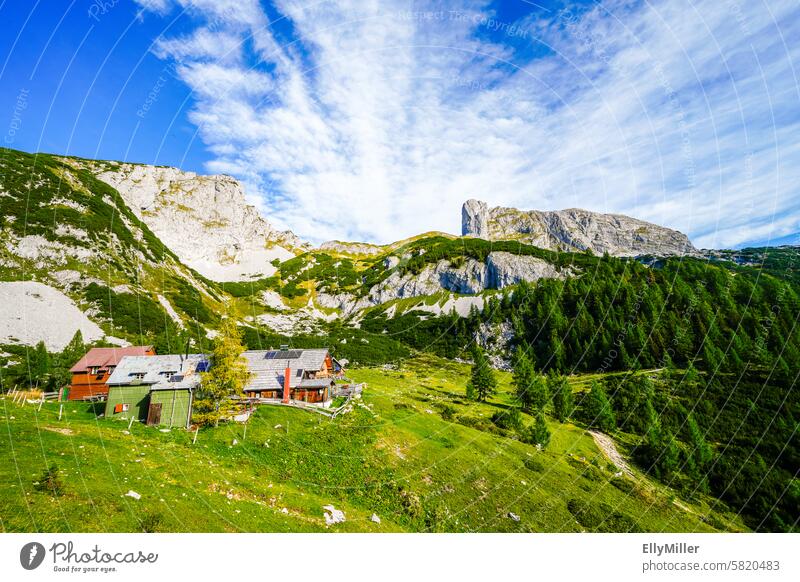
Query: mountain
x=573, y=230
x=71, y=248
x=693, y=352
x=204, y=220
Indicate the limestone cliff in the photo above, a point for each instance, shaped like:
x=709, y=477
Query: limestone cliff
x=204, y=220
x=573, y=230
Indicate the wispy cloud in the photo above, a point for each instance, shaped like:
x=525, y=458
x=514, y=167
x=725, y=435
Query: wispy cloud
x=374, y=120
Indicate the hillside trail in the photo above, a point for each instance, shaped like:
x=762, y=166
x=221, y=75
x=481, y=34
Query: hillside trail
x=606, y=444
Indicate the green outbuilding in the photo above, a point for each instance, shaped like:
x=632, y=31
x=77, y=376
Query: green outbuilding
x=171, y=407
x=126, y=402
x=157, y=390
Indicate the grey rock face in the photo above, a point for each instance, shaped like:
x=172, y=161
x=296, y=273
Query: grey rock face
x=475, y=219
x=500, y=270
x=205, y=220
x=506, y=269
x=574, y=229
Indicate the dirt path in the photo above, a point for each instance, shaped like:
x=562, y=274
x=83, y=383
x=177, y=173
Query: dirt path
x=606, y=444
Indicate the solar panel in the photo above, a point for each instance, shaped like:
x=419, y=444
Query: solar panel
x=202, y=366
x=176, y=378
x=283, y=354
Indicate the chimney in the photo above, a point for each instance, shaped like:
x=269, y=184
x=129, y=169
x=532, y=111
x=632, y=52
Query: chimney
x=287, y=376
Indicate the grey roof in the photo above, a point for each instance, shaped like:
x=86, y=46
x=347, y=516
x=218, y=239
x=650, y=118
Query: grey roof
x=315, y=382
x=268, y=367
x=154, y=369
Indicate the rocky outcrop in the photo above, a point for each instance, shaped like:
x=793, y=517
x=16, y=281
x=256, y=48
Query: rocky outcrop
x=504, y=269
x=574, y=230
x=204, y=220
x=355, y=249
x=475, y=219
x=500, y=270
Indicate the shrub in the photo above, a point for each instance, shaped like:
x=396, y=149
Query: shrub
x=510, y=419
x=50, y=482
x=533, y=464
x=448, y=413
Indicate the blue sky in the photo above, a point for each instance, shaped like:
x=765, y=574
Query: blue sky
x=374, y=120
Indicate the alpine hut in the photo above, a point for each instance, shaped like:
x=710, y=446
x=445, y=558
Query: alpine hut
x=89, y=374
x=300, y=375
x=158, y=390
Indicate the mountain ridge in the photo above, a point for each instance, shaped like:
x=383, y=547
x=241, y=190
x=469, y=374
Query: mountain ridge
x=574, y=229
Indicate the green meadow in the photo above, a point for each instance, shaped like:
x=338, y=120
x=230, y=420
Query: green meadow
x=413, y=452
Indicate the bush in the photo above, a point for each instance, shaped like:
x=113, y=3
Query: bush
x=533, y=464
x=510, y=419
x=151, y=522
x=50, y=482
x=448, y=413
x=600, y=517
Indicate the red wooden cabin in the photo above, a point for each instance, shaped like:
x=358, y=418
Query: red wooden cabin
x=90, y=373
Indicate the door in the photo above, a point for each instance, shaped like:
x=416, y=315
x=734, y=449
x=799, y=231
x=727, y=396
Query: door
x=154, y=414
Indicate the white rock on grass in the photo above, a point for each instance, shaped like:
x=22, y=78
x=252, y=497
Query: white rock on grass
x=333, y=515
x=375, y=518
x=133, y=494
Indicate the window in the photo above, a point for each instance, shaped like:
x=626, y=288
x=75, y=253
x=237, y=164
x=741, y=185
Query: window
x=94, y=369
x=168, y=373
x=136, y=375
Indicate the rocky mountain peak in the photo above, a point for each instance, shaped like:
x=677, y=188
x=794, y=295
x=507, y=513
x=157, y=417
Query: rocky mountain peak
x=573, y=229
x=205, y=220
x=475, y=218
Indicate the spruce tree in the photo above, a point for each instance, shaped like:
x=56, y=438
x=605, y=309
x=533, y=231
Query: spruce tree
x=539, y=395
x=597, y=408
x=38, y=365
x=563, y=400
x=482, y=382
x=541, y=434
x=523, y=378
x=700, y=452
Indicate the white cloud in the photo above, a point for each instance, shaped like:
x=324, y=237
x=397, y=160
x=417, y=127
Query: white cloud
x=374, y=120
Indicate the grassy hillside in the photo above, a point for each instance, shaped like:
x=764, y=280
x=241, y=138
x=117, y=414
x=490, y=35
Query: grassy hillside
x=62, y=226
x=414, y=452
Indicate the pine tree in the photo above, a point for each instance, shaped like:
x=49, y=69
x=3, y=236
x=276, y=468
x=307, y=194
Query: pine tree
x=482, y=382
x=227, y=376
x=597, y=408
x=38, y=365
x=563, y=400
x=541, y=434
x=523, y=378
x=699, y=450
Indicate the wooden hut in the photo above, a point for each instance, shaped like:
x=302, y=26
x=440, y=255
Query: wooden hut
x=157, y=390
x=304, y=375
x=89, y=374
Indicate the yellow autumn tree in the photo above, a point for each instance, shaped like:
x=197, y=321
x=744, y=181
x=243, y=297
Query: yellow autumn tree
x=227, y=376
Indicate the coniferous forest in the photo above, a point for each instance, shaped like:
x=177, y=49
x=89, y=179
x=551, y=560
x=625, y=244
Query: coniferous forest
x=717, y=413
